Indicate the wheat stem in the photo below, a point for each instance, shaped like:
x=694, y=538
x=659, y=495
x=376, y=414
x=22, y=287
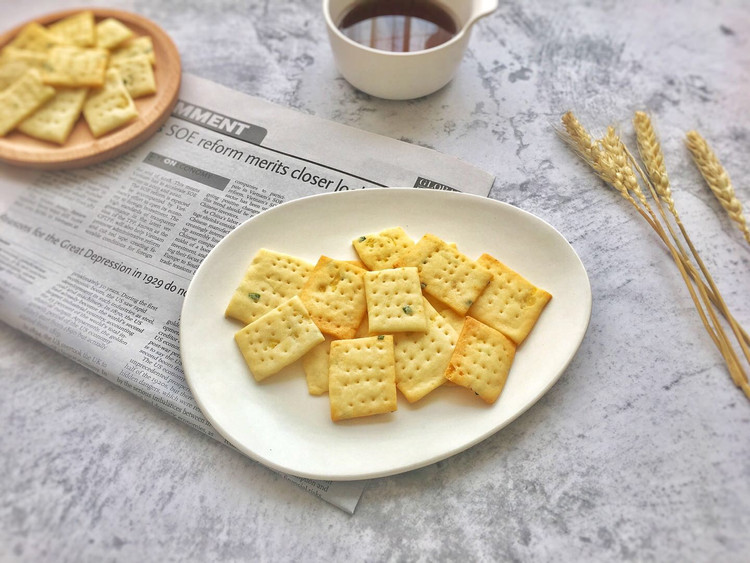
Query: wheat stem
x=718, y=335
x=717, y=179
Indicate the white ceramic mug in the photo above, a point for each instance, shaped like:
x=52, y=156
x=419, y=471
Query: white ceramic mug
x=402, y=76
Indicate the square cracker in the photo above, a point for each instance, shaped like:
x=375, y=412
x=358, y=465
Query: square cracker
x=270, y=279
x=422, y=358
x=34, y=37
x=135, y=47
x=137, y=75
x=55, y=119
x=109, y=107
x=278, y=338
x=75, y=67
x=362, y=377
x=78, y=29
x=335, y=296
x=510, y=303
x=445, y=273
x=382, y=250
x=22, y=98
x=481, y=360
x=394, y=301
x=111, y=32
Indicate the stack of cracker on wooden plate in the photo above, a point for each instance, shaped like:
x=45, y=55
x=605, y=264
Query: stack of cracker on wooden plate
x=407, y=317
x=51, y=75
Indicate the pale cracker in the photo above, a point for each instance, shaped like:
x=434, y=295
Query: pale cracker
x=382, y=250
x=55, y=119
x=445, y=273
x=278, y=338
x=10, y=71
x=335, y=297
x=22, y=98
x=75, y=67
x=481, y=360
x=510, y=303
x=394, y=301
x=34, y=59
x=111, y=32
x=34, y=37
x=135, y=47
x=137, y=75
x=109, y=107
x=362, y=377
x=455, y=320
x=364, y=328
x=270, y=279
x=78, y=29
x=315, y=366
x=422, y=358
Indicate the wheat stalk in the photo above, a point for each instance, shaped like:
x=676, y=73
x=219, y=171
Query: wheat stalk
x=717, y=179
x=653, y=159
x=611, y=160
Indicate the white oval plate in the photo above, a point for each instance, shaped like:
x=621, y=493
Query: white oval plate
x=279, y=424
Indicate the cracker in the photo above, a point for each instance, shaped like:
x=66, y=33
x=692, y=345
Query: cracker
x=335, y=296
x=455, y=320
x=382, y=250
x=10, y=71
x=22, y=98
x=34, y=37
x=34, y=59
x=445, y=273
x=109, y=107
x=481, y=360
x=75, y=67
x=111, y=32
x=135, y=47
x=422, y=358
x=137, y=75
x=78, y=29
x=315, y=366
x=270, y=279
x=362, y=377
x=55, y=119
x=394, y=301
x=510, y=303
x=278, y=338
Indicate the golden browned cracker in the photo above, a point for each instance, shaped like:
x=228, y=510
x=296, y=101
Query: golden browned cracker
x=481, y=360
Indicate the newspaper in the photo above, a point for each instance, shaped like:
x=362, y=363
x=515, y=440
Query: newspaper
x=95, y=262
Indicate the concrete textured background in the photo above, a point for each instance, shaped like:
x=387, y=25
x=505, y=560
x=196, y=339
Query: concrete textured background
x=640, y=452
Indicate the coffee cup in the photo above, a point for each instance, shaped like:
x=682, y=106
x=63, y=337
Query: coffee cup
x=399, y=75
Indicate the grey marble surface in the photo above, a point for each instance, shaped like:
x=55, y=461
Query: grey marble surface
x=640, y=452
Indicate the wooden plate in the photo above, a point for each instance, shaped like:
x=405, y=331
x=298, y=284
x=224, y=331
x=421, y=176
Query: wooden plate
x=81, y=148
